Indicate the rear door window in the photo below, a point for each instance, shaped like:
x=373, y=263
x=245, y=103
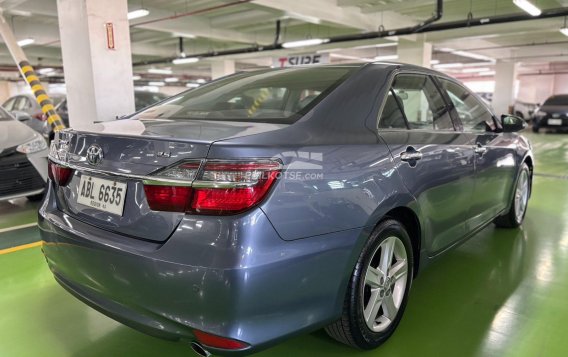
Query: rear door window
x=421, y=102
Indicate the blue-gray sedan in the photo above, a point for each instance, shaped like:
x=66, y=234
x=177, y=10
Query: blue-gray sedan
x=273, y=203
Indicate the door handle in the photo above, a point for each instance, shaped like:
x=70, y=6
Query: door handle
x=478, y=149
x=411, y=155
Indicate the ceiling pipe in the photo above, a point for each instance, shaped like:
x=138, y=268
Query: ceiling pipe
x=277, y=35
x=427, y=26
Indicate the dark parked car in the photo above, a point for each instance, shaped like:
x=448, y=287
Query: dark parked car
x=273, y=203
x=553, y=114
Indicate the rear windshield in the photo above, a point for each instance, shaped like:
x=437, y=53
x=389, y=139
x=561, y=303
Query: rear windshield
x=271, y=96
x=557, y=100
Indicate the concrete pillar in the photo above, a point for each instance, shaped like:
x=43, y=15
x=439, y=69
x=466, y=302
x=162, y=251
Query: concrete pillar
x=504, y=95
x=222, y=68
x=415, y=52
x=98, y=77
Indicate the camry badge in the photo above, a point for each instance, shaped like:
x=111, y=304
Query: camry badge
x=94, y=154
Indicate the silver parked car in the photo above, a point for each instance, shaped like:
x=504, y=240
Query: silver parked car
x=273, y=203
x=27, y=104
x=23, y=160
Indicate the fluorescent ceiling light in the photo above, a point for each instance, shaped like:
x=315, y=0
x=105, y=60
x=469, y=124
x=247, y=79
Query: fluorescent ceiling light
x=156, y=84
x=185, y=60
x=564, y=31
x=137, y=14
x=136, y=78
x=347, y=57
x=448, y=65
x=192, y=85
x=433, y=62
x=386, y=58
x=25, y=42
x=527, y=6
x=304, y=43
x=159, y=71
x=201, y=81
x=45, y=70
x=184, y=35
x=20, y=13
x=378, y=45
x=473, y=55
x=487, y=73
x=475, y=69
x=171, y=79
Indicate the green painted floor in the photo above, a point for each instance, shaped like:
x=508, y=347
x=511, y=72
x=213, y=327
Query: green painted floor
x=504, y=293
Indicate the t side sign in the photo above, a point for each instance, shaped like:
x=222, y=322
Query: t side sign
x=301, y=60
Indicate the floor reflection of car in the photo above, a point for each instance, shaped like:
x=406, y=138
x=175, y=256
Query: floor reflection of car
x=26, y=103
x=142, y=100
x=276, y=202
x=552, y=114
x=23, y=160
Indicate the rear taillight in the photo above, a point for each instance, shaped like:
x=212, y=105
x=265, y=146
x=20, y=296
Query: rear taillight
x=227, y=188
x=168, y=198
x=220, y=188
x=61, y=175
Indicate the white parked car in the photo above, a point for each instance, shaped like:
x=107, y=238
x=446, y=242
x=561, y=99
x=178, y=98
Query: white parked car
x=23, y=160
x=524, y=110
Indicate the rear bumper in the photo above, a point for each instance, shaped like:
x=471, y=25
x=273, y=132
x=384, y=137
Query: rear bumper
x=543, y=123
x=229, y=276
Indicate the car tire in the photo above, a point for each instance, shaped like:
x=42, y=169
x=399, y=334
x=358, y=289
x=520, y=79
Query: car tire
x=366, y=285
x=35, y=198
x=516, y=214
x=535, y=128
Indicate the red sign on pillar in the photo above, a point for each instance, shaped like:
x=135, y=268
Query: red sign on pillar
x=110, y=35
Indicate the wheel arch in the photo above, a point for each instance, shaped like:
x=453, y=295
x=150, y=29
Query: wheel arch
x=409, y=219
x=530, y=163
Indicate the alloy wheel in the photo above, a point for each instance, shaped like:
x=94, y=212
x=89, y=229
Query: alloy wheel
x=385, y=284
x=522, y=195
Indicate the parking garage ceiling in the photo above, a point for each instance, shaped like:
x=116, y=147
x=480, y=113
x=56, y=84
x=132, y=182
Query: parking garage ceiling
x=217, y=25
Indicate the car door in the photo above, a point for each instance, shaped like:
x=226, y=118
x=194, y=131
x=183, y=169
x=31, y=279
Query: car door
x=433, y=159
x=495, y=166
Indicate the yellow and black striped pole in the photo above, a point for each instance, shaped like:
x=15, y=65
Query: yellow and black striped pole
x=41, y=96
x=30, y=76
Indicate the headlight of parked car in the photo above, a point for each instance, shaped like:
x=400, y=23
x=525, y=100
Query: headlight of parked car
x=36, y=144
x=540, y=114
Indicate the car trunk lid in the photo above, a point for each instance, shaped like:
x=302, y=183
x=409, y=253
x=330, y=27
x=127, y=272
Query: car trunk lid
x=131, y=152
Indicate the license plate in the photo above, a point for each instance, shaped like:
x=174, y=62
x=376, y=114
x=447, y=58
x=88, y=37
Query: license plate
x=104, y=195
x=554, y=121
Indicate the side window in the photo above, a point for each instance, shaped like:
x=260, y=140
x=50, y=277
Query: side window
x=9, y=105
x=391, y=116
x=422, y=103
x=472, y=113
x=23, y=104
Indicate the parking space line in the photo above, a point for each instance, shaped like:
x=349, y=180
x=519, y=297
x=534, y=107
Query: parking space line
x=20, y=247
x=561, y=177
x=18, y=227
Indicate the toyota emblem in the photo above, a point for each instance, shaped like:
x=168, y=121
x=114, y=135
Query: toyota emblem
x=94, y=155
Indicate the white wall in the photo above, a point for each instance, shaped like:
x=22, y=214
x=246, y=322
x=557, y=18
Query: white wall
x=536, y=88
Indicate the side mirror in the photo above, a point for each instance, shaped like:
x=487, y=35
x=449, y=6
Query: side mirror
x=21, y=116
x=512, y=123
